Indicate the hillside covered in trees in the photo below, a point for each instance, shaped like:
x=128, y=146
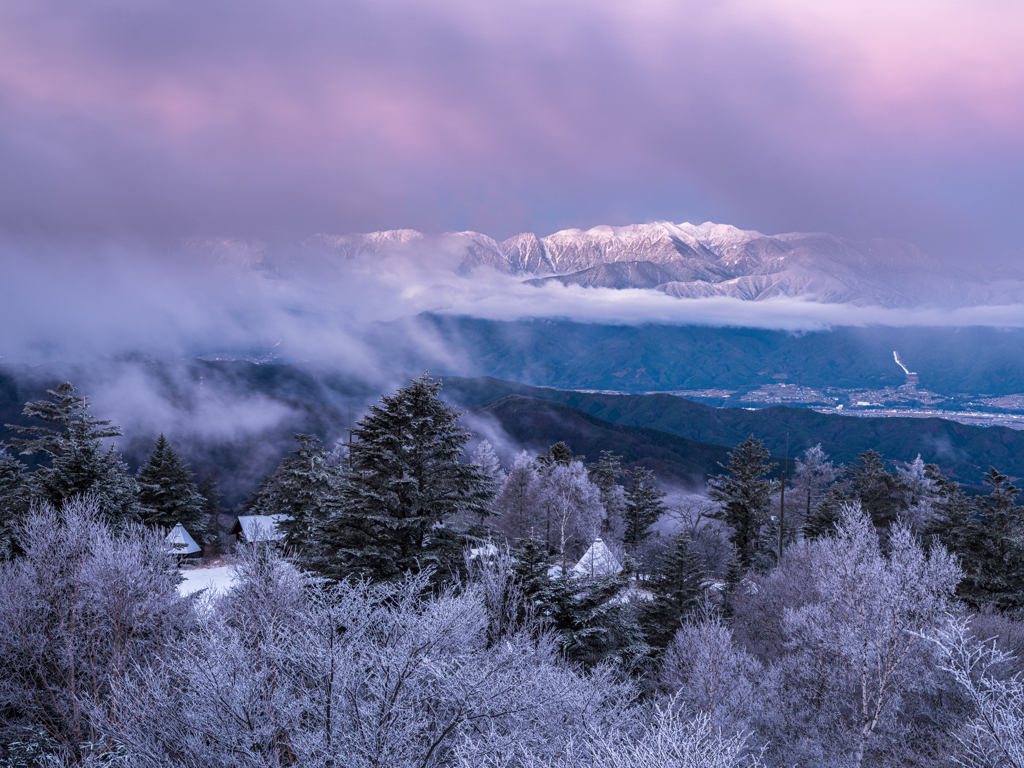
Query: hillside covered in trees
x=423, y=603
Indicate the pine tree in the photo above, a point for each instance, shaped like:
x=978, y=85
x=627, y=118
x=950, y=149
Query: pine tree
x=487, y=461
x=745, y=495
x=643, y=507
x=408, y=479
x=826, y=515
x=15, y=500
x=517, y=509
x=78, y=464
x=605, y=473
x=210, y=504
x=988, y=536
x=306, y=487
x=559, y=453
x=879, y=491
x=167, y=492
x=677, y=584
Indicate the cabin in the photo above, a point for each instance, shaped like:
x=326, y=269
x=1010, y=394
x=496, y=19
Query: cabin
x=596, y=561
x=250, y=529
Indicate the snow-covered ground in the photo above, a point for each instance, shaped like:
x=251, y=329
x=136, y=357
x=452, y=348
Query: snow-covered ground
x=218, y=579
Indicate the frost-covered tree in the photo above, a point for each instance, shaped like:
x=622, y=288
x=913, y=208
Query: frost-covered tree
x=517, y=509
x=858, y=644
x=15, y=498
x=644, y=506
x=920, y=491
x=408, y=479
x=79, y=613
x=167, y=491
x=745, y=495
x=78, y=464
x=572, y=508
x=814, y=473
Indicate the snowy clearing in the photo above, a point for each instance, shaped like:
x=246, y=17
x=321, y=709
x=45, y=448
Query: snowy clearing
x=219, y=579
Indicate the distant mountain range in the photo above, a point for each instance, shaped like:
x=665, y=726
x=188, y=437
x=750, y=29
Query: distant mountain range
x=708, y=260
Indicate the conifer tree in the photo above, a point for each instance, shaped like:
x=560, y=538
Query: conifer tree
x=745, y=495
x=306, y=487
x=559, y=453
x=988, y=536
x=643, y=507
x=15, y=500
x=879, y=491
x=826, y=515
x=814, y=473
x=605, y=473
x=211, y=509
x=78, y=464
x=408, y=479
x=487, y=461
x=677, y=584
x=517, y=509
x=167, y=491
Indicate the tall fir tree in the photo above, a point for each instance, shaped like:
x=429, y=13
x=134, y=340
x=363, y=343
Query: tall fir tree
x=408, y=480
x=210, y=504
x=644, y=506
x=825, y=515
x=677, y=585
x=167, y=492
x=78, y=465
x=605, y=474
x=878, y=490
x=988, y=536
x=307, y=487
x=15, y=501
x=745, y=496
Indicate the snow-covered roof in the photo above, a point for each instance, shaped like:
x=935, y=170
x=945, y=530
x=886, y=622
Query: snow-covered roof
x=598, y=561
x=260, y=527
x=181, y=543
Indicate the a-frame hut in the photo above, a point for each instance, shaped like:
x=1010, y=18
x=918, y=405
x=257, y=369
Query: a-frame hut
x=181, y=543
x=253, y=528
x=597, y=561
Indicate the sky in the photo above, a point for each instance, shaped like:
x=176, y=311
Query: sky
x=144, y=123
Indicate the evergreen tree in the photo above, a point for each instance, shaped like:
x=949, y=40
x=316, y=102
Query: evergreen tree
x=78, y=464
x=879, y=491
x=15, y=500
x=487, y=461
x=559, y=453
x=745, y=495
x=824, y=518
x=167, y=492
x=210, y=504
x=677, y=584
x=517, y=509
x=605, y=473
x=643, y=507
x=988, y=535
x=306, y=487
x=408, y=479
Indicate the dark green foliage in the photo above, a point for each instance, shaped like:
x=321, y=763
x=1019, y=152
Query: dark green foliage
x=168, y=494
x=643, y=507
x=604, y=473
x=988, y=536
x=677, y=585
x=825, y=515
x=745, y=495
x=408, y=480
x=78, y=464
x=559, y=453
x=15, y=500
x=210, y=504
x=307, y=488
x=879, y=491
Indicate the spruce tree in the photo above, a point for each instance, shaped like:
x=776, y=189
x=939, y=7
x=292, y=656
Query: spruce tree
x=745, y=495
x=78, y=464
x=677, y=584
x=306, y=487
x=167, y=492
x=825, y=516
x=408, y=480
x=643, y=507
x=879, y=491
x=988, y=536
x=559, y=453
x=15, y=500
x=210, y=504
x=605, y=473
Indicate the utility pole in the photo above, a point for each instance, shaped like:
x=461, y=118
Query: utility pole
x=782, y=499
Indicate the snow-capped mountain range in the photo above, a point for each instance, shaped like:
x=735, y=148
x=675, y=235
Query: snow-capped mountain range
x=706, y=260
